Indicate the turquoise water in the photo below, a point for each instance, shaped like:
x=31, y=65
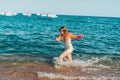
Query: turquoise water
x=34, y=38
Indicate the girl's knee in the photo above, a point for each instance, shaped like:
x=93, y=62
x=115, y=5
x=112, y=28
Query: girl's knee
x=60, y=57
x=70, y=59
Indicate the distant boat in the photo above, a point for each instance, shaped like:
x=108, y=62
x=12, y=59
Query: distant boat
x=27, y=14
x=47, y=15
x=2, y=13
x=43, y=14
x=9, y=14
x=38, y=14
x=52, y=15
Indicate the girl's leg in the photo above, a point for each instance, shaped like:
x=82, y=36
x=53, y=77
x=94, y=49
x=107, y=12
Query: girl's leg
x=65, y=53
x=69, y=56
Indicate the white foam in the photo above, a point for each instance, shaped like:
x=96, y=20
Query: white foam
x=9, y=33
x=93, y=62
x=56, y=75
x=6, y=54
x=24, y=57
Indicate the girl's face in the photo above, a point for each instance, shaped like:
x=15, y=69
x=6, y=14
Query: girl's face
x=62, y=31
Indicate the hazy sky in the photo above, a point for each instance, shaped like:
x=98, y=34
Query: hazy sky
x=71, y=7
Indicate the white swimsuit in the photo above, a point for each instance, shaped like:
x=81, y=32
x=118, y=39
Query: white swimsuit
x=68, y=46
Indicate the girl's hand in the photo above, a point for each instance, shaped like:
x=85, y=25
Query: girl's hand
x=59, y=38
x=80, y=36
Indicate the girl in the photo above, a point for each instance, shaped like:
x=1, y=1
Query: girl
x=66, y=37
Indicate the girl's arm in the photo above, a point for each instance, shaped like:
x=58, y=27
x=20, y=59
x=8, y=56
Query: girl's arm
x=76, y=37
x=59, y=38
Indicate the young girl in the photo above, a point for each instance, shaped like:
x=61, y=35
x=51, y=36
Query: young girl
x=66, y=37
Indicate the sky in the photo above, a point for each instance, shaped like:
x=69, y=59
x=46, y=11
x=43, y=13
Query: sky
x=109, y=8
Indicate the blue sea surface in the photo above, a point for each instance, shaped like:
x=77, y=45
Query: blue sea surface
x=34, y=37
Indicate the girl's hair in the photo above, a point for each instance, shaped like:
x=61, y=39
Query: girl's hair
x=61, y=27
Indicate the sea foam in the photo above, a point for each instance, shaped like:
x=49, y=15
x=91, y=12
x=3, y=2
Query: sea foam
x=56, y=75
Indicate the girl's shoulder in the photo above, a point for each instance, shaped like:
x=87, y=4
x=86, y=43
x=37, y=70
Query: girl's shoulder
x=69, y=34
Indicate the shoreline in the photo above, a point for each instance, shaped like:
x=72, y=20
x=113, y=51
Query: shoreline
x=38, y=71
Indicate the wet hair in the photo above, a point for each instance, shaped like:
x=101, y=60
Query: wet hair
x=61, y=27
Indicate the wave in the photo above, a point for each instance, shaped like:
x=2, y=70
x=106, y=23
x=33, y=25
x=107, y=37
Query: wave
x=60, y=76
x=22, y=57
x=85, y=61
x=93, y=63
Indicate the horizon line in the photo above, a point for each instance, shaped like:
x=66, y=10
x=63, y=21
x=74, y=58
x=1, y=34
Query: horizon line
x=63, y=14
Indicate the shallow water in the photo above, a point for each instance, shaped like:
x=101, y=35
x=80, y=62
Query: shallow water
x=32, y=39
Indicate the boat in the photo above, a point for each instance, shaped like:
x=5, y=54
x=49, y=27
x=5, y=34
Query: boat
x=38, y=14
x=2, y=13
x=27, y=14
x=43, y=15
x=10, y=14
x=52, y=16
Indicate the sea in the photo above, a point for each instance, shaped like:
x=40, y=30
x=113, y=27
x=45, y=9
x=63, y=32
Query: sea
x=32, y=39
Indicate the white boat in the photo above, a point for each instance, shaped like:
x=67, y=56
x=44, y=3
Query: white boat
x=9, y=14
x=27, y=14
x=52, y=15
x=43, y=14
x=38, y=14
x=2, y=13
x=14, y=14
